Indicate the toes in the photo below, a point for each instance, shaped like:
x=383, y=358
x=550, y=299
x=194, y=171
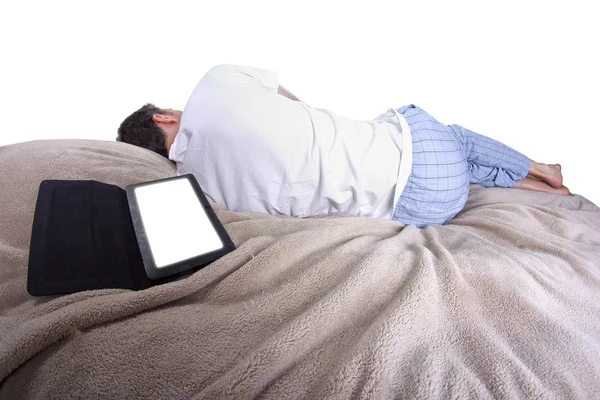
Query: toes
x=564, y=191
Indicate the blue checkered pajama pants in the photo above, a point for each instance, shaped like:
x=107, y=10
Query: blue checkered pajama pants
x=446, y=159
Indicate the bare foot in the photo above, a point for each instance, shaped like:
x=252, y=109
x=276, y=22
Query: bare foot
x=550, y=173
x=541, y=186
x=554, y=175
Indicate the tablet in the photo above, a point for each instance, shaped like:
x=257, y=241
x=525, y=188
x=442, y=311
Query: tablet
x=175, y=226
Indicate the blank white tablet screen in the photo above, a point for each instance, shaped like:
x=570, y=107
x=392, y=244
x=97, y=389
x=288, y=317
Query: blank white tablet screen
x=175, y=222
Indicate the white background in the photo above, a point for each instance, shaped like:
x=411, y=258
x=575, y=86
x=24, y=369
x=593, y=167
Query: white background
x=523, y=72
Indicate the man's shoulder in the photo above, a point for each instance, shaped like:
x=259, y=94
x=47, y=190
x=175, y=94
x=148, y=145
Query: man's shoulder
x=223, y=68
x=241, y=74
x=228, y=69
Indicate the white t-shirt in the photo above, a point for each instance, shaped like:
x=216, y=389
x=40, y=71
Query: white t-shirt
x=252, y=149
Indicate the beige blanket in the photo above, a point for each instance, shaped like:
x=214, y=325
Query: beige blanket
x=502, y=302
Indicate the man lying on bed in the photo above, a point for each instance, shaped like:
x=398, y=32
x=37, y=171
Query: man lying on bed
x=254, y=146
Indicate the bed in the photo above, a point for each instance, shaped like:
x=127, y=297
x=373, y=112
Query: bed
x=501, y=302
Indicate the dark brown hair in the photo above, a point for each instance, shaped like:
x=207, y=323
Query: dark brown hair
x=140, y=130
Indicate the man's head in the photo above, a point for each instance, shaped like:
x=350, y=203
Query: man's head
x=152, y=128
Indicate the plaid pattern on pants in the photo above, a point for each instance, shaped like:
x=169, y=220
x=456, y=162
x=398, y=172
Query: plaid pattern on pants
x=446, y=159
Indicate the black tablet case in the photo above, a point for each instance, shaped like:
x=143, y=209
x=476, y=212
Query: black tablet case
x=83, y=238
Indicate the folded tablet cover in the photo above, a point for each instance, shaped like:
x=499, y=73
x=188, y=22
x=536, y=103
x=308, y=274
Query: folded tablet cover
x=82, y=239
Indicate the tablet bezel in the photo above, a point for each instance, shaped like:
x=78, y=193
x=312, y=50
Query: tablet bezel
x=190, y=264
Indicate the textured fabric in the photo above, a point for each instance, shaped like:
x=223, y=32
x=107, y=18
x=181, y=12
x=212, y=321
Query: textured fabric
x=502, y=302
x=252, y=149
x=446, y=159
x=491, y=163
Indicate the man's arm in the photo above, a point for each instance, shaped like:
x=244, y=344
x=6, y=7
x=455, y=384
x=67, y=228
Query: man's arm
x=284, y=92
